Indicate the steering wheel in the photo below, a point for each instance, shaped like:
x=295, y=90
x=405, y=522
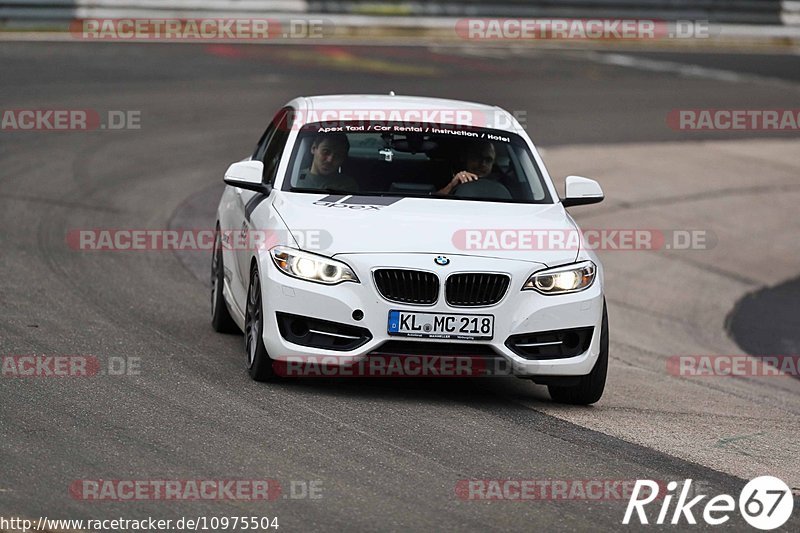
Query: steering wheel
x=487, y=189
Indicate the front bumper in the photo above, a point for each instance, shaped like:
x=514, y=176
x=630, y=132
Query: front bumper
x=519, y=312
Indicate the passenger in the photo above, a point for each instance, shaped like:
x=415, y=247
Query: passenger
x=329, y=151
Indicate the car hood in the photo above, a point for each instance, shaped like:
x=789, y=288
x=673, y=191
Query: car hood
x=374, y=224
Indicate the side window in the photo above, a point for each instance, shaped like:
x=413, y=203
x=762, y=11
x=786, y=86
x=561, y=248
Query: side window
x=261, y=147
x=282, y=120
x=272, y=155
x=272, y=143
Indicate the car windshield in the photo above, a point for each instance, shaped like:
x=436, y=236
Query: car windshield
x=422, y=160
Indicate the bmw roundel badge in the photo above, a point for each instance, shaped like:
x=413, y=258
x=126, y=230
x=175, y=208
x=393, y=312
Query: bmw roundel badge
x=441, y=260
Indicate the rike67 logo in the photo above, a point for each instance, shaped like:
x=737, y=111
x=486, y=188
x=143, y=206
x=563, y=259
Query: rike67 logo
x=765, y=503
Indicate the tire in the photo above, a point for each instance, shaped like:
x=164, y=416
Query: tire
x=590, y=387
x=221, y=319
x=259, y=363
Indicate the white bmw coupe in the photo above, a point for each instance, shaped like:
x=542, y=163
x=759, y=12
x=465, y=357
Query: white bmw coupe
x=369, y=225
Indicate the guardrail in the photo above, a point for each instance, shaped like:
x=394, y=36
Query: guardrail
x=722, y=11
x=790, y=13
x=738, y=11
x=74, y=9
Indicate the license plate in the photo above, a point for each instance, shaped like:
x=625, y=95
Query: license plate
x=441, y=325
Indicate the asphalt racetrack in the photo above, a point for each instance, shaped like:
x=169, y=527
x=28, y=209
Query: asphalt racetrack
x=389, y=454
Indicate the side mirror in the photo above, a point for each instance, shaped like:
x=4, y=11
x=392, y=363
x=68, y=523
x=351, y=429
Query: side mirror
x=581, y=191
x=247, y=175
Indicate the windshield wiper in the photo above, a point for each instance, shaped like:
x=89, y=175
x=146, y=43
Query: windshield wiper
x=412, y=194
x=400, y=194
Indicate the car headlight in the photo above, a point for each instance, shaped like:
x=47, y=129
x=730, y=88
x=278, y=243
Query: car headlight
x=311, y=267
x=563, y=279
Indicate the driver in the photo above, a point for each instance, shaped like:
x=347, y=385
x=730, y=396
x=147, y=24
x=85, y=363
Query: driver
x=329, y=151
x=477, y=160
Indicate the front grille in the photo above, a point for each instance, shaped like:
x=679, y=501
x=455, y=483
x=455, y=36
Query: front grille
x=407, y=286
x=475, y=289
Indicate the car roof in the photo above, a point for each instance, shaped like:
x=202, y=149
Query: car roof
x=483, y=115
